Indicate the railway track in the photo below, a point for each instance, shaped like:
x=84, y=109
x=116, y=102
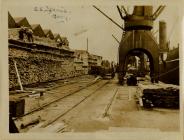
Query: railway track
x=58, y=99
x=33, y=91
x=42, y=110
x=103, y=114
x=74, y=106
x=30, y=92
x=106, y=113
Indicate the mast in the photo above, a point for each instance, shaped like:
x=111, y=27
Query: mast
x=87, y=44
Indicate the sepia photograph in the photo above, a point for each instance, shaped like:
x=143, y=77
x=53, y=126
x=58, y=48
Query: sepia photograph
x=102, y=68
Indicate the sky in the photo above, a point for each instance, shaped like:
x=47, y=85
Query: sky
x=79, y=22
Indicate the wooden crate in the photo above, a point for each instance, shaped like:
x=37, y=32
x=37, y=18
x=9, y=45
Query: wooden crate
x=17, y=107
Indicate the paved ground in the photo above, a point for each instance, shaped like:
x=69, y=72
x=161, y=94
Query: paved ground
x=123, y=115
x=111, y=108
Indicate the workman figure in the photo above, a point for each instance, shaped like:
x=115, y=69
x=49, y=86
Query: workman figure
x=22, y=31
x=152, y=78
x=29, y=34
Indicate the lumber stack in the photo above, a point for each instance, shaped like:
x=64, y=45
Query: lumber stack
x=158, y=95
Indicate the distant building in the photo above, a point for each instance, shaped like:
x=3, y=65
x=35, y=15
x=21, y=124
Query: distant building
x=99, y=60
x=22, y=21
x=94, y=60
x=37, y=30
x=11, y=21
x=85, y=60
x=48, y=33
x=81, y=60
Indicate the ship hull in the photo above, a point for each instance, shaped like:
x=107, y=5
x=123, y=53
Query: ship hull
x=169, y=73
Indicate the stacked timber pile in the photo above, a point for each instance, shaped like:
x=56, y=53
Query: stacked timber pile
x=158, y=95
x=13, y=33
x=45, y=41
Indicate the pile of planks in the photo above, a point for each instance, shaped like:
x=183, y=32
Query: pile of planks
x=158, y=95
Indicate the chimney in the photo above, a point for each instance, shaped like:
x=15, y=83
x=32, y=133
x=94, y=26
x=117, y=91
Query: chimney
x=162, y=36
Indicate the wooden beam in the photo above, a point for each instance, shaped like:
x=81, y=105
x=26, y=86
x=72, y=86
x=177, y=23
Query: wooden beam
x=18, y=76
x=158, y=12
x=124, y=10
x=116, y=39
x=120, y=12
x=108, y=17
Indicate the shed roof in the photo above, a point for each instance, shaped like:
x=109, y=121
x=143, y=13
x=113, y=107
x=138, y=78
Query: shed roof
x=22, y=21
x=34, y=26
x=11, y=21
x=37, y=29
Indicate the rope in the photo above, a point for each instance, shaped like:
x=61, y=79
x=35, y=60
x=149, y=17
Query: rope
x=168, y=72
x=173, y=60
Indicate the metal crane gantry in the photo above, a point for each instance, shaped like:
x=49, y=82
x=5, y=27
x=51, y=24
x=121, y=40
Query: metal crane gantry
x=138, y=37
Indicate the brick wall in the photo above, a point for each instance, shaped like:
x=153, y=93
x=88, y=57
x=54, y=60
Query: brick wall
x=37, y=66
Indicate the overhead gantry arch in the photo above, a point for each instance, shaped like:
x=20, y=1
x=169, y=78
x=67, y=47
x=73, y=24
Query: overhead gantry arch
x=139, y=41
